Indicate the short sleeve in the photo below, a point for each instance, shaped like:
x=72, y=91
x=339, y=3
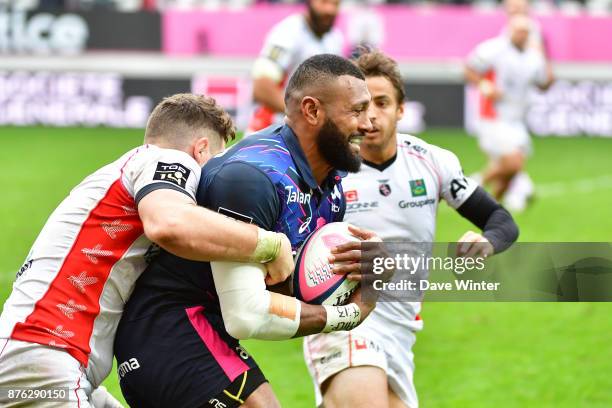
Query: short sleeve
x=154, y=168
x=280, y=43
x=242, y=191
x=456, y=187
x=481, y=59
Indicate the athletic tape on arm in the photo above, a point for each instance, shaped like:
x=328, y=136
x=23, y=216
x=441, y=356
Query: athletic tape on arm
x=249, y=310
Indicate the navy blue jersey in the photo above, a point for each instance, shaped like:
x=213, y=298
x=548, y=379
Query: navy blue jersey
x=264, y=179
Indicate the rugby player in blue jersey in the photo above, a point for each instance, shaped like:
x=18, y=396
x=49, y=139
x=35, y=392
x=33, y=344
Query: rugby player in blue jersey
x=177, y=344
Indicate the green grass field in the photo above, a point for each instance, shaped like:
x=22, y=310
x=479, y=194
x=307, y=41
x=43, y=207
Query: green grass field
x=470, y=354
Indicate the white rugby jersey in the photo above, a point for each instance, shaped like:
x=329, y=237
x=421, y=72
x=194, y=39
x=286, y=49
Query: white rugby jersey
x=79, y=273
x=289, y=43
x=513, y=71
x=400, y=203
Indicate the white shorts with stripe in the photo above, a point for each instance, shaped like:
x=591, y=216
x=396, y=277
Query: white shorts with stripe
x=32, y=365
x=374, y=343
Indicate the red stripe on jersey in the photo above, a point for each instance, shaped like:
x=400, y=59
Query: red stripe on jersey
x=487, y=105
x=65, y=315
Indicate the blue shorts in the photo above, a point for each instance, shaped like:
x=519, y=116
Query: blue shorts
x=182, y=358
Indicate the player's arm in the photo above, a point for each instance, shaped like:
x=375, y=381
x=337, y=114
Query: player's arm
x=476, y=68
x=250, y=311
x=248, y=308
x=546, y=77
x=268, y=92
x=172, y=220
x=269, y=71
x=499, y=231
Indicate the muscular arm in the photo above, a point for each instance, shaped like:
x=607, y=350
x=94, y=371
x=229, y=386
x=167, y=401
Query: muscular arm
x=173, y=221
x=487, y=214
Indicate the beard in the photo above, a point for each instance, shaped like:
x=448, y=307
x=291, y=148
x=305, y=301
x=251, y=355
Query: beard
x=335, y=148
x=320, y=25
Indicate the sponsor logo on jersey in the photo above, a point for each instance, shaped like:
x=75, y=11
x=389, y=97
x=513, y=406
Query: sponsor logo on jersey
x=127, y=367
x=369, y=206
x=364, y=344
x=215, y=403
x=335, y=195
x=384, y=188
x=351, y=196
x=417, y=188
x=174, y=173
x=419, y=149
x=296, y=196
x=413, y=204
x=304, y=225
x=27, y=265
x=457, y=185
x=328, y=358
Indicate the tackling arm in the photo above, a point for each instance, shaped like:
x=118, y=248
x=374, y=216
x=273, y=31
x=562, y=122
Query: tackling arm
x=173, y=221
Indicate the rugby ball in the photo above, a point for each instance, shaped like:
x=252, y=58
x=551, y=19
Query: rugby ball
x=313, y=279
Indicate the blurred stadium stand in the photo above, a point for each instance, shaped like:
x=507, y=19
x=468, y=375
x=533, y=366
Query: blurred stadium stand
x=53, y=53
x=598, y=7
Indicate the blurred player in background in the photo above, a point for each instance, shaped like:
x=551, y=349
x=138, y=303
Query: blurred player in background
x=401, y=181
x=58, y=325
x=521, y=187
x=504, y=69
x=184, y=319
x=287, y=45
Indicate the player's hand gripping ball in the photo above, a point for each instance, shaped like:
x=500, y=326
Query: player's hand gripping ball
x=314, y=281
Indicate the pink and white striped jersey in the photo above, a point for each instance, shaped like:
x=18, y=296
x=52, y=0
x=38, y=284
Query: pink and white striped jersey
x=82, y=268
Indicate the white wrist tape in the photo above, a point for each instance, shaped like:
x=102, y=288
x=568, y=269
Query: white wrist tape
x=344, y=317
x=249, y=310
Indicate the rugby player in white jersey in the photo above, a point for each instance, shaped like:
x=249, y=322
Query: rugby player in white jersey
x=288, y=44
x=396, y=194
x=58, y=325
x=505, y=68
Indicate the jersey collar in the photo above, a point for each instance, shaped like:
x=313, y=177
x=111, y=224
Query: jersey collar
x=301, y=163
x=382, y=166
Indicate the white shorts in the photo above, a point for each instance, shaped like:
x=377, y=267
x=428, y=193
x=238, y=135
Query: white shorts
x=35, y=366
x=497, y=138
x=366, y=345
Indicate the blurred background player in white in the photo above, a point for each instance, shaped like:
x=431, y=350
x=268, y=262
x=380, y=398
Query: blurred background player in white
x=287, y=45
x=521, y=187
x=58, y=325
x=401, y=181
x=505, y=69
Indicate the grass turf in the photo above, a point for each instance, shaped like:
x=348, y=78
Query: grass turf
x=470, y=354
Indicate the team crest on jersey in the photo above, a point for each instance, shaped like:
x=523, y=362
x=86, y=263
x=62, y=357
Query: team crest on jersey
x=174, y=173
x=417, y=188
x=384, y=188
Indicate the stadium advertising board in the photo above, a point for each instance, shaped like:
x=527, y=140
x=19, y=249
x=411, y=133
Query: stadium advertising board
x=44, y=32
x=568, y=108
x=569, y=38
x=80, y=99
